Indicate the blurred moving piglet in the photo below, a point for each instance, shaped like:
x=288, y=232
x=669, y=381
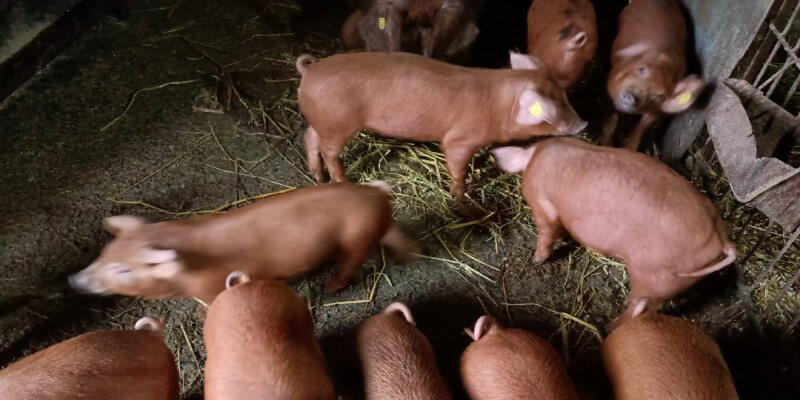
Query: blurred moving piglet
x=512, y=364
x=437, y=28
x=99, y=365
x=655, y=357
x=280, y=237
x=563, y=35
x=648, y=65
x=397, y=360
x=260, y=342
x=411, y=97
x=626, y=205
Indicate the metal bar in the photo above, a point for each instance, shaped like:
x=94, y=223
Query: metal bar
x=786, y=65
x=777, y=45
x=785, y=289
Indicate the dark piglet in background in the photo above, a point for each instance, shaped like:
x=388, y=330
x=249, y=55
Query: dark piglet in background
x=411, y=97
x=260, y=344
x=99, y=365
x=649, y=65
x=441, y=29
x=655, y=356
x=280, y=237
x=563, y=35
x=622, y=204
x=397, y=360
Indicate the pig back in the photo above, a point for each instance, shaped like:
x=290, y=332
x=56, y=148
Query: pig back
x=654, y=356
x=260, y=344
x=624, y=204
x=660, y=24
x=100, y=365
x=514, y=364
x=400, y=95
x=398, y=361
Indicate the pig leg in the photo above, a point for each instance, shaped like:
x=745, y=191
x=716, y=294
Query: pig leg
x=609, y=127
x=548, y=228
x=330, y=150
x=636, y=137
x=458, y=156
x=312, y=153
x=351, y=256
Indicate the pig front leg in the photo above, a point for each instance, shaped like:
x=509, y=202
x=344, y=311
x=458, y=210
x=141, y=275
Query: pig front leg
x=458, y=156
x=638, y=132
x=350, y=258
x=548, y=228
x=313, y=155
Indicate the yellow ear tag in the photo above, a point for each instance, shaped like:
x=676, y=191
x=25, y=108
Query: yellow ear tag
x=382, y=23
x=536, y=109
x=684, y=98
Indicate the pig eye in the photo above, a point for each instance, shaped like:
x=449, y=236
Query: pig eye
x=659, y=98
x=120, y=269
x=643, y=71
x=123, y=271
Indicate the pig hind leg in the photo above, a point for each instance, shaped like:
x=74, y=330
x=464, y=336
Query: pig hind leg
x=399, y=243
x=313, y=155
x=457, y=159
x=548, y=227
x=640, y=300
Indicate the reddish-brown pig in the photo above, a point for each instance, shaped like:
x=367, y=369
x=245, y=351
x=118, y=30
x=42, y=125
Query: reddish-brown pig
x=259, y=338
x=437, y=28
x=280, y=237
x=626, y=205
x=100, y=365
x=655, y=356
x=563, y=34
x=411, y=97
x=397, y=360
x=513, y=364
x=649, y=64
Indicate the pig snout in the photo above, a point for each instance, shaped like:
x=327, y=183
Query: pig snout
x=628, y=101
x=82, y=283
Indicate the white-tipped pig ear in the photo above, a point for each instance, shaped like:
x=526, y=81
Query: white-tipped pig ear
x=633, y=50
x=236, y=278
x=151, y=255
x=641, y=306
x=482, y=326
x=578, y=41
x=115, y=225
x=150, y=324
x=524, y=61
x=513, y=159
x=684, y=95
x=533, y=110
x=401, y=308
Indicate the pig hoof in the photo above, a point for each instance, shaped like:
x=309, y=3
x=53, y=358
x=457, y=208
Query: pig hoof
x=540, y=258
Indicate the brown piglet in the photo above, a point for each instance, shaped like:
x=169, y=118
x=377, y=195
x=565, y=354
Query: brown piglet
x=260, y=344
x=648, y=65
x=397, y=360
x=99, y=365
x=512, y=364
x=622, y=204
x=657, y=357
x=411, y=97
x=280, y=237
x=563, y=35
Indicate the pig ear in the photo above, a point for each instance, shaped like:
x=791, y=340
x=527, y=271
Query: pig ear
x=151, y=255
x=512, y=159
x=402, y=309
x=685, y=94
x=524, y=61
x=120, y=223
x=578, y=41
x=633, y=50
x=482, y=327
x=149, y=324
x=236, y=278
x=533, y=110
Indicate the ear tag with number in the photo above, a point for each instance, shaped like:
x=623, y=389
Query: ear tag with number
x=382, y=23
x=536, y=109
x=684, y=98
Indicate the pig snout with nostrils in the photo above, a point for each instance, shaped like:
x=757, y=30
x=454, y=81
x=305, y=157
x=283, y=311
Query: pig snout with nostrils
x=513, y=364
x=655, y=356
x=99, y=365
x=280, y=237
x=563, y=34
x=622, y=204
x=649, y=65
x=397, y=360
x=411, y=97
x=260, y=344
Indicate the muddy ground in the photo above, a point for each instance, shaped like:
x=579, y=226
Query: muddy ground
x=178, y=149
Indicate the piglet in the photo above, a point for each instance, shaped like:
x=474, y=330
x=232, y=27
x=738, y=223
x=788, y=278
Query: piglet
x=411, y=97
x=513, y=364
x=563, y=34
x=655, y=356
x=622, y=204
x=260, y=344
x=648, y=65
x=280, y=237
x=99, y=365
x=397, y=360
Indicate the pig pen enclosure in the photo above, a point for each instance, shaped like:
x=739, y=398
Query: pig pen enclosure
x=180, y=108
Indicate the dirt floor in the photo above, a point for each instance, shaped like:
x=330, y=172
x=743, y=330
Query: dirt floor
x=140, y=117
